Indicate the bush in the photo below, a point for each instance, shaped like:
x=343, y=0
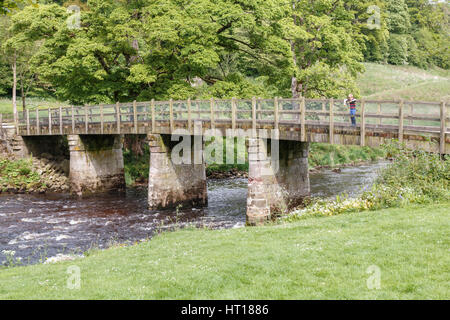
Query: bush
x=414, y=177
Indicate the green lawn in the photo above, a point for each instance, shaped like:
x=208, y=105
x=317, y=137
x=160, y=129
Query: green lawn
x=316, y=258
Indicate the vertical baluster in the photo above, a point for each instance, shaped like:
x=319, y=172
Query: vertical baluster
x=363, y=123
x=189, y=115
x=400, y=121
x=152, y=107
x=49, y=121
x=118, y=117
x=86, y=119
x=303, y=119
x=331, y=121
x=60, y=121
x=276, y=121
x=135, y=117
x=443, y=128
x=212, y=107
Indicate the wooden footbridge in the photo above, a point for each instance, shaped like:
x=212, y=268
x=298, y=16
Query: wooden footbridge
x=417, y=123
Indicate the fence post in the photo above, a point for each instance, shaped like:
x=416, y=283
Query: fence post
x=118, y=117
x=73, y=120
x=400, y=121
x=60, y=121
x=1, y=121
x=254, y=114
x=443, y=128
x=152, y=107
x=379, y=113
x=189, y=106
x=331, y=121
x=276, y=121
x=303, y=120
x=86, y=119
x=38, y=129
x=411, y=111
x=363, y=123
x=135, y=117
x=233, y=114
x=28, y=122
x=213, y=124
x=101, y=119
x=49, y=121
x=171, y=115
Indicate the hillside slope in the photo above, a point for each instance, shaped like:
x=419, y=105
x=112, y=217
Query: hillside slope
x=404, y=82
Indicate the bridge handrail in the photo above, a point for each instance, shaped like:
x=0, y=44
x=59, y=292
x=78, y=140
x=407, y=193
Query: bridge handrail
x=276, y=111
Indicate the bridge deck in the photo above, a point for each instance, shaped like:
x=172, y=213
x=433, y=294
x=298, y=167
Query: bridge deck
x=417, y=123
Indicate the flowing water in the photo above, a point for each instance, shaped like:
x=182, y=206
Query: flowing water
x=41, y=226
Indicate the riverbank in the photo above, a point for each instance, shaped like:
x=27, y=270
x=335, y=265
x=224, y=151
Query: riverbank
x=316, y=258
x=33, y=175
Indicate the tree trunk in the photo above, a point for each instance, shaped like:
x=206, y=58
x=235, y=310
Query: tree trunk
x=14, y=97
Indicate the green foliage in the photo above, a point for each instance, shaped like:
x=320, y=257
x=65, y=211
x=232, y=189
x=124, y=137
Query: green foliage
x=136, y=166
x=18, y=175
x=414, y=177
x=322, y=154
x=398, y=49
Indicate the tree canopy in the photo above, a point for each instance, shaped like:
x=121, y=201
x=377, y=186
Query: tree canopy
x=118, y=50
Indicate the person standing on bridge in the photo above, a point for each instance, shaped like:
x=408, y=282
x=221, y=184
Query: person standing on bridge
x=351, y=101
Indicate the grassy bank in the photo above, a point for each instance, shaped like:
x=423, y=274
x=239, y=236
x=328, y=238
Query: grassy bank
x=404, y=82
x=323, y=154
x=317, y=258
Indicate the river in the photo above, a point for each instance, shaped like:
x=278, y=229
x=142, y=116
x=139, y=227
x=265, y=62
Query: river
x=41, y=226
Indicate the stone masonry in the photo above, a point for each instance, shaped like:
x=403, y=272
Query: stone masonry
x=173, y=184
x=96, y=164
x=278, y=184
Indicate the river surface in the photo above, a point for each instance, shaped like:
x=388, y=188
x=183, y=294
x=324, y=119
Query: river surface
x=40, y=226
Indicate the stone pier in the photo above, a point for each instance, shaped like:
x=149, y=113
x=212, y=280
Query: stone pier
x=96, y=164
x=171, y=182
x=278, y=177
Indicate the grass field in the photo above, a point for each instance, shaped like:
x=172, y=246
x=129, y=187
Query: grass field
x=316, y=258
x=404, y=82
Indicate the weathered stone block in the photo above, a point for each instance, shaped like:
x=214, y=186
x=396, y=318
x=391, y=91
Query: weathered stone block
x=171, y=184
x=276, y=183
x=96, y=164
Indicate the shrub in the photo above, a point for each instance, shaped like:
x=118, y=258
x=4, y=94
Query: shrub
x=414, y=176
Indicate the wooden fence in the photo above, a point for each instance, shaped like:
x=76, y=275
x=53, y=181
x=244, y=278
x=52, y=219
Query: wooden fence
x=142, y=117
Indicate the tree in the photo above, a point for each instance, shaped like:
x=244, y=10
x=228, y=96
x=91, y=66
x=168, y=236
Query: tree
x=323, y=49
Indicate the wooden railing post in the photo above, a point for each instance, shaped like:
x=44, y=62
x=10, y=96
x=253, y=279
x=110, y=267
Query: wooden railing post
x=28, y=122
x=38, y=129
x=135, y=117
x=1, y=121
x=233, y=114
x=411, y=112
x=86, y=119
x=400, y=121
x=171, y=115
x=303, y=119
x=60, y=121
x=211, y=104
x=49, y=121
x=73, y=120
x=276, y=121
x=101, y=119
x=118, y=117
x=363, y=123
x=189, y=106
x=152, y=107
x=331, y=121
x=443, y=128
x=254, y=114
x=379, y=113
x=259, y=114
